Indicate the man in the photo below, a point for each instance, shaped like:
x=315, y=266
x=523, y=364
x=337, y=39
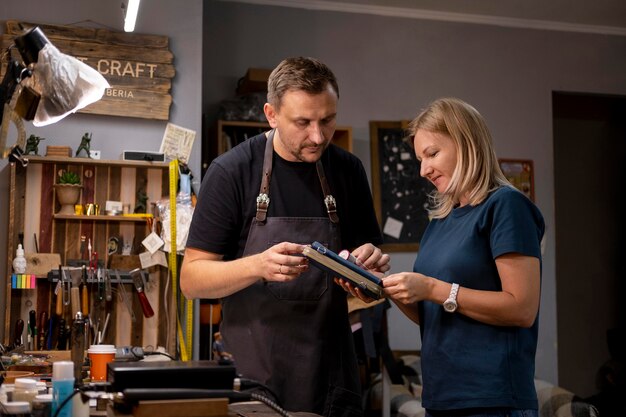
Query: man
x=284, y=322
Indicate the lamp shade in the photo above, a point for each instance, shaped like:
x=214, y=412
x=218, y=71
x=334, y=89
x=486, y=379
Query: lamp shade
x=64, y=83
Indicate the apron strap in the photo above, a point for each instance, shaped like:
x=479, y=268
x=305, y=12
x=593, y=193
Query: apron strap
x=329, y=200
x=263, y=199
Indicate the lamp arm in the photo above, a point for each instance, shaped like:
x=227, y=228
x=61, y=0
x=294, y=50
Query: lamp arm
x=7, y=88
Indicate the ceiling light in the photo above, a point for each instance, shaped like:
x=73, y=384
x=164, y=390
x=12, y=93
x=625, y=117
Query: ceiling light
x=131, y=15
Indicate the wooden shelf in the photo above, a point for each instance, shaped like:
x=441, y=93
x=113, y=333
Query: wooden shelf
x=120, y=218
x=87, y=161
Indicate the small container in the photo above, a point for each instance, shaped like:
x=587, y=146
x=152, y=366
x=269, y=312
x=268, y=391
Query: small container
x=42, y=406
x=42, y=388
x=17, y=409
x=25, y=390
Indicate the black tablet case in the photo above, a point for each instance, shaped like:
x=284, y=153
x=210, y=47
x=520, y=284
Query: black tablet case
x=329, y=261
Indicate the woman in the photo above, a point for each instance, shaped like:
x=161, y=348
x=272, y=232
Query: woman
x=475, y=285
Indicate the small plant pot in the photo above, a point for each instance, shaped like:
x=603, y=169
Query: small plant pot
x=67, y=195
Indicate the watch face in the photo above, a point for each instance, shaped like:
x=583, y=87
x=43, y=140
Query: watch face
x=449, y=306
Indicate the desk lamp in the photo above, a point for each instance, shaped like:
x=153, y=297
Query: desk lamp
x=45, y=86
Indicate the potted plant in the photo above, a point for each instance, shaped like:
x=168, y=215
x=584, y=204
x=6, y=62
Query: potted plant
x=68, y=191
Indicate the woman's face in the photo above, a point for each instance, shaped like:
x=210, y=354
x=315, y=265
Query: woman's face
x=437, y=154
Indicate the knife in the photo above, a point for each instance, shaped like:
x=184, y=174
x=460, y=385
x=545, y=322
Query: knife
x=143, y=299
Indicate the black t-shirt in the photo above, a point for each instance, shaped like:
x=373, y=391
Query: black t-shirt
x=227, y=198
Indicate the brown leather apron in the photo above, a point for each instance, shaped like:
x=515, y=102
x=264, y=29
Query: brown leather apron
x=294, y=337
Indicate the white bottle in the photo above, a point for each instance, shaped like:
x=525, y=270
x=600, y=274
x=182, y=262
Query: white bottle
x=62, y=387
x=19, y=262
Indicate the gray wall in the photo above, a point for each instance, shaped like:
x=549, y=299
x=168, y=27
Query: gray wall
x=388, y=68
x=112, y=135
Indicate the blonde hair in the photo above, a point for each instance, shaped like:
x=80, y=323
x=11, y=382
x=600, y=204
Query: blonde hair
x=477, y=171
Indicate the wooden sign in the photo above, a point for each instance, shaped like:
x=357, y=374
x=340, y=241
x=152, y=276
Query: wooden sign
x=139, y=68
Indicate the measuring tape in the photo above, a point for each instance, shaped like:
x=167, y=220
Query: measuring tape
x=184, y=306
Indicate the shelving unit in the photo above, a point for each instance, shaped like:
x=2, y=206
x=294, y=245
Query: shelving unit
x=34, y=221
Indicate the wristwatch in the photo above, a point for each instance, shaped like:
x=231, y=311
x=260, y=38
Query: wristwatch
x=450, y=304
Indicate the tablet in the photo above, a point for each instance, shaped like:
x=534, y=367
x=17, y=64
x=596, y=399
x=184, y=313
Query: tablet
x=327, y=260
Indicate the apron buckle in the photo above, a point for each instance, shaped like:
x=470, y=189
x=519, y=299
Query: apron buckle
x=331, y=203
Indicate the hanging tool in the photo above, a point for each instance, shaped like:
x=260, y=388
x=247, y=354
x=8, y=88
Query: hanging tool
x=17, y=333
x=32, y=330
x=66, y=286
x=143, y=299
x=124, y=296
x=62, y=339
x=108, y=292
x=84, y=293
x=43, y=330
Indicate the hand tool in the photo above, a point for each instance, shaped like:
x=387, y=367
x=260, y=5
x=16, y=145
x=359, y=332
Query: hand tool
x=108, y=292
x=124, y=296
x=77, y=345
x=84, y=293
x=143, y=299
x=43, y=330
x=17, y=333
x=62, y=339
x=32, y=330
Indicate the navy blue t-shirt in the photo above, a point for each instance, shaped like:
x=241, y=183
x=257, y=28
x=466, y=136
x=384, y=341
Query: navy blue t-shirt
x=465, y=363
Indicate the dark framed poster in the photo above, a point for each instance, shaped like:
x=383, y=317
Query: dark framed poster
x=400, y=194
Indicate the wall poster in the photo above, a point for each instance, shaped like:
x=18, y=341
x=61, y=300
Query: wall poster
x=400, y=194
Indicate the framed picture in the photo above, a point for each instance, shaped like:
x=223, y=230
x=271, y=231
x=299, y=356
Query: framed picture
x=520, y=173
x=400, y=194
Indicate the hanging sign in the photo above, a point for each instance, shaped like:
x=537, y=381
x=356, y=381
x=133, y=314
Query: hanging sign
x=139, y=68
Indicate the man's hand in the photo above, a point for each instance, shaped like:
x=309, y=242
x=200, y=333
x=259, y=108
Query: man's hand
x=283, y=262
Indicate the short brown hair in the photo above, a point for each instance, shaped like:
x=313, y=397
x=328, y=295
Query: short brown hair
x=299, y=73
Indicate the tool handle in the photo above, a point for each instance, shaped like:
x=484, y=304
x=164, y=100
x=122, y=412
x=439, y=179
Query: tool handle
x=43, y=329
x=145, y=304
x=85, y=300
x=32, y=329
x=19, y=329
x=59, y=305
x=75, y=300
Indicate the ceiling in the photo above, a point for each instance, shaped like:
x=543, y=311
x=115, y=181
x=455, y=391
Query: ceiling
x=592, y=16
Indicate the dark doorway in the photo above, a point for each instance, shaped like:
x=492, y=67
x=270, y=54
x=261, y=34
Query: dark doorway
x=589, y=175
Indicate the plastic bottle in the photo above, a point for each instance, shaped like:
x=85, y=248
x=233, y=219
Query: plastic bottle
x=25, y=390
x=19, y=262
x=62, y=387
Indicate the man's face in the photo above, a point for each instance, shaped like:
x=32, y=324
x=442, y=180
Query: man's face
x=305, y=124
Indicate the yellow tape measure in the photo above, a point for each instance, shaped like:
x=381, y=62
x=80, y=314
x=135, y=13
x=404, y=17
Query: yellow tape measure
x=184, y=306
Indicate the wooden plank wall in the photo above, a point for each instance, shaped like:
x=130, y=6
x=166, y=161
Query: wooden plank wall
x=101, y=182
x=138, y=67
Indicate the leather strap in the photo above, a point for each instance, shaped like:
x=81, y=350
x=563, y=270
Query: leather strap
x=263, y=199
x=329, y=200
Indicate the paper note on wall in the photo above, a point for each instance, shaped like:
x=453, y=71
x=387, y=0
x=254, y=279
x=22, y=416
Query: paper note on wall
x=177, y=142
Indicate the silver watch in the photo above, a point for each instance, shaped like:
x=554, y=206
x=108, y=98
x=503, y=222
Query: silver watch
x=450, y=304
